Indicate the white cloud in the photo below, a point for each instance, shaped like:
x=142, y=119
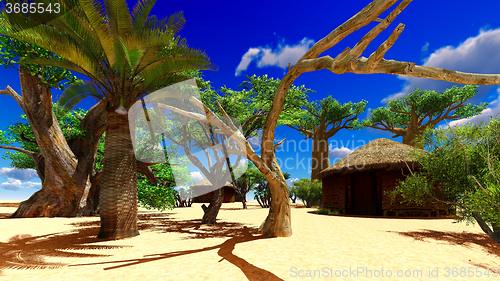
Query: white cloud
x=340, y=152
x=476, y=54
x=16, y=184
x=280, y=56
x=492, y=111
x=20, y=174
x=246, y=59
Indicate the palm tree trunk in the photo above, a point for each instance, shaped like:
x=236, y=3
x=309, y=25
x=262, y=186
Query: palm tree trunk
x=118, y=196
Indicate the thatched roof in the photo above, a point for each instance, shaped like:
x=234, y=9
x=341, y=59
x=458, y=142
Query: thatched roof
x=377, y=154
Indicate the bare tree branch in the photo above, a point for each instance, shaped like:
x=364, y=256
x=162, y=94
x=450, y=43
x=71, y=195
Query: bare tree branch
x=367, y=15
x=146, y=171
x=11, y=92
x=18, y=149
x=379, y=54
x=370, y=36
x=307, y=133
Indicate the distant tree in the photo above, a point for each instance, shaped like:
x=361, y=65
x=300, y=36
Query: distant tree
x=463, y=171
x=410, y=116
x=309, y=191
x=321, y=120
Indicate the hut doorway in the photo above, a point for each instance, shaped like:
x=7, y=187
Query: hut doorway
x=364, y=196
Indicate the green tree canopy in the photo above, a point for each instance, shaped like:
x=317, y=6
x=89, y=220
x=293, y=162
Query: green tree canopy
x=13, y=51
x=327, y=117
x=411, y=115
x=251, y=104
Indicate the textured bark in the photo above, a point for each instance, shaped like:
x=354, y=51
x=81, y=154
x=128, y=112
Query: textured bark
x=59, y=195
x=92, y=199
x=211, y=212
x=85, y=150
x=118, y=196
x=320, y=157
x=63, y=169
x=278, y=221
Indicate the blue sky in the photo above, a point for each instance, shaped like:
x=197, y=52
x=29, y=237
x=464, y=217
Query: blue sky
x=462, y=35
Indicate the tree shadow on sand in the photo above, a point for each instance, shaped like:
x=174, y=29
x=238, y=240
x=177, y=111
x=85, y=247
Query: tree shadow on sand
x=30, y=252
x=193, y=229
x=466, y=239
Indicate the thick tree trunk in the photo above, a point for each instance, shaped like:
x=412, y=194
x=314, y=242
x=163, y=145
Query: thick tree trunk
x=320, y=157
x=59, y=195
x=55, y=199
x=118, y=196
x=410, y=138
x=85, y=149
x=278, y=221
x=244, y=203
x=91, y=207
x=210, y=216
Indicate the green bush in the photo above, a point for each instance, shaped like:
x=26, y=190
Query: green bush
x=463, y=170
x=308, y=191
x=153, y=196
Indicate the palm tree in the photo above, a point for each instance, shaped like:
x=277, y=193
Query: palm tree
x=126, y=54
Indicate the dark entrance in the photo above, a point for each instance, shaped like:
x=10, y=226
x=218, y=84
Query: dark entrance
x=364, y=198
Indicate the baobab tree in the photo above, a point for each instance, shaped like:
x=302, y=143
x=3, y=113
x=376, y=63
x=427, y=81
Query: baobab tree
x=278, y=221
x=321, y=120
x=64, y=166
x=410, y=116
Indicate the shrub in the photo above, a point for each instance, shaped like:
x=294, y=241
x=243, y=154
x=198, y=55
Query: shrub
x=308, y=191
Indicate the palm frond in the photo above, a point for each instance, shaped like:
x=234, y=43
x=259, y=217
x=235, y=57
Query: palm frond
x=184, y=61
x=176, y=22
x=64, y=64
x=75, y=93
x=141, y=12
x=119, y=17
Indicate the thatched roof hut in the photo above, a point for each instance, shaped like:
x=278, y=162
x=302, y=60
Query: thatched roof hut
x=359, y=183
x=377, y=154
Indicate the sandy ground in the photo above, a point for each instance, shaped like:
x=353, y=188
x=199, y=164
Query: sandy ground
x=173, y=246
